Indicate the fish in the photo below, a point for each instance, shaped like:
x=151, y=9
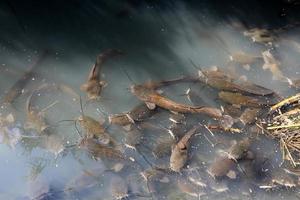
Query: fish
x=243, y=58
x=139, y=113
x=94, y=85
x=224, y=165
x=93, y=129
x=221, y=81
x=35, y=119
x=152, y=98
x=249, y=115
x=154, y=85
x=239, y=150
x=260, y=35
x=273, y=65
x=221, y=166
x=17, y=88
x=98, y=150
x=88, y=178
x=53, y=143
x=133, y=137
x=179, y=153
x=243, y=100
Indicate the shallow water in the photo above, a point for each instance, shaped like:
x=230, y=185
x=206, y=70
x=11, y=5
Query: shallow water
x=158, y=45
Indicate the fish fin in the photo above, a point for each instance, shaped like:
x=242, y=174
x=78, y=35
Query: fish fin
x=150, y=105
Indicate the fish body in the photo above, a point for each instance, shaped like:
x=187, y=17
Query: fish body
x=35, y=119
x=94, y=85
x=273, y=65
x=93, y=129
x=240, y=149
x=152, y=97
x=179, y=154
x=137, y=114
x=221, y=81
x=243, y=58
x=98, y=150
x=243, y=100
x=221, y=167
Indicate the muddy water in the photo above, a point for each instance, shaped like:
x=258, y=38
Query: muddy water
x=157, y=46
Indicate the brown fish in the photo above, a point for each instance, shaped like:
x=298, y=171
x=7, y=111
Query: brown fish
x=260, y=35
x=243, y=58
x=152, y=98
x=239, y=150
x=98, y=150
x=243, y=100
x=273, y=65
x=35, y=118
x=224, y=164
x=94, y=85
x=249, y=115
x=219, y=80
x=179, y=153
x=17, y=88
x=93, y=129
x=158, y=84
x=221, y=166
x=137, y=114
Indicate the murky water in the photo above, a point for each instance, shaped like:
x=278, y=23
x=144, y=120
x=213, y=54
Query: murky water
x=157, y=45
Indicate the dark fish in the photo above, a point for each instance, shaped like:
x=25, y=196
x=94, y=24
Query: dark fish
x=94, y=85
x=18, y=86
x=221, y=167
x=249, y=115
x=243, y=100
x=219, y=80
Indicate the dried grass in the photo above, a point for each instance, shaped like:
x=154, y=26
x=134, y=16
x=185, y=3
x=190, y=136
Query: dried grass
x=284, y=125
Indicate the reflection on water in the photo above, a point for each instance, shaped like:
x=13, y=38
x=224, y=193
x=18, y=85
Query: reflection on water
x=62, y=137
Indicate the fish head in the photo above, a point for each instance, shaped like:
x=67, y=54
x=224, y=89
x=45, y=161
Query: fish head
x=178, y=158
